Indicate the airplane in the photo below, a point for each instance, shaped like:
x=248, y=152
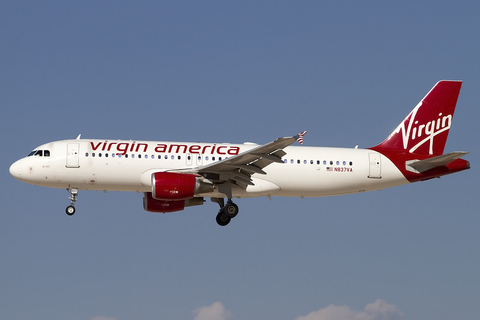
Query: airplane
x=176, y=175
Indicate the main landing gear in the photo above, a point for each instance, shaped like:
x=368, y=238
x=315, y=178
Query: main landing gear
x=70, y=210
x=227, y=211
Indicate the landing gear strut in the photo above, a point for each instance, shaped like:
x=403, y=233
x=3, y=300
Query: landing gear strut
x=227, y=211
x=70, y=210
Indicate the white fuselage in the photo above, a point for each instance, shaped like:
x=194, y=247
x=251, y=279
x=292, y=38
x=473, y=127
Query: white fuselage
x=120, y=165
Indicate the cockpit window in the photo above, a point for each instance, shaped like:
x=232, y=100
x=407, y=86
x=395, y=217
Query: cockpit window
x=39, y=153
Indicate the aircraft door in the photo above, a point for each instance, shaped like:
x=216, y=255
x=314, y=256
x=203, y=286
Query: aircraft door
x=73, y=155
x=375, y=171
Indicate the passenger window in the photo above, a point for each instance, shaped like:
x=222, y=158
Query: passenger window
x=344, y=163
x=206, y=158
x=93, y=154
x=106, y=155
x=291, y=160
x=331, y=162
x=285, y=161
x=153, y=157
x=86, y=154
x=166, y=157
x=100, y=155
x=351, y=163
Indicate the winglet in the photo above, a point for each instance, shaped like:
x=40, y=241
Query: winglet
x=300, y=136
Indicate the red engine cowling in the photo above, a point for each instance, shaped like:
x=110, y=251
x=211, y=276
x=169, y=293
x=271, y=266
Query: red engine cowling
x=162, y=206
x=171, y=186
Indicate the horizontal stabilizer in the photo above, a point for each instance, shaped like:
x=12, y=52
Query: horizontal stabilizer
x=427, y=164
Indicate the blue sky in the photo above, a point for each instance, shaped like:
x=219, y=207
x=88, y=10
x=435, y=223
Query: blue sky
x=222, y=71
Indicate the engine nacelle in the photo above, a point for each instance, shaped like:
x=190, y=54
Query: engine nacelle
x=171, y=186
x=161, y=206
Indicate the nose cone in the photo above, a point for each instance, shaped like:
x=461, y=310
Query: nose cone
x=18, y=170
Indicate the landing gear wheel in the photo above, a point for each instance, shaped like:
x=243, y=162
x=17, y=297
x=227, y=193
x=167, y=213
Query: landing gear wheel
x=70, y=210
x=227, y=211
x=222, y=219
x=230, y=210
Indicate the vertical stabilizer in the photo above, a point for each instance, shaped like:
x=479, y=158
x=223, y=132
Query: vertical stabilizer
x=425, y=129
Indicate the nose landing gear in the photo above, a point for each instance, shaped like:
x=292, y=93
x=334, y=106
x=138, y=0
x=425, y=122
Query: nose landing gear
x=70, y=210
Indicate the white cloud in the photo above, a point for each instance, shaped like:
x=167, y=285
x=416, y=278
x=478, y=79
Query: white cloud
x=214, y=312
x=379, y=310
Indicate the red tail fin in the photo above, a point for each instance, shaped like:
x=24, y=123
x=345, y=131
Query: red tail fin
x=425, y=129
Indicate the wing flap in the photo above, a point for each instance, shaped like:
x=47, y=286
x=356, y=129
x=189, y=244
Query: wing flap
x=249, y=167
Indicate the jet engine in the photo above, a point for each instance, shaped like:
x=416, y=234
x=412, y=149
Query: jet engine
x=170, y=186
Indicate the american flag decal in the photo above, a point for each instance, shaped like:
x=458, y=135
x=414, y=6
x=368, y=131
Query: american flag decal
x=329, y=169
x=300, y=137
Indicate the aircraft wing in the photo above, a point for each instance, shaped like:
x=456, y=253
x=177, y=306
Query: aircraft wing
x=239, y=169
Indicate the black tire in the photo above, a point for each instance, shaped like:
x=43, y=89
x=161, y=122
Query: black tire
x=70, y=210
x=222, y=219
x=230, y=210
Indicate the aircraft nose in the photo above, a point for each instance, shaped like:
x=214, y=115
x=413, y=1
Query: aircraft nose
x=16, y=170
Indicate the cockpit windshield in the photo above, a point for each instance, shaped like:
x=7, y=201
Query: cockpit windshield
x=39, y=153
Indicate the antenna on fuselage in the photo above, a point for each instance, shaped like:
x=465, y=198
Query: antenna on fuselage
x=78, y=138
